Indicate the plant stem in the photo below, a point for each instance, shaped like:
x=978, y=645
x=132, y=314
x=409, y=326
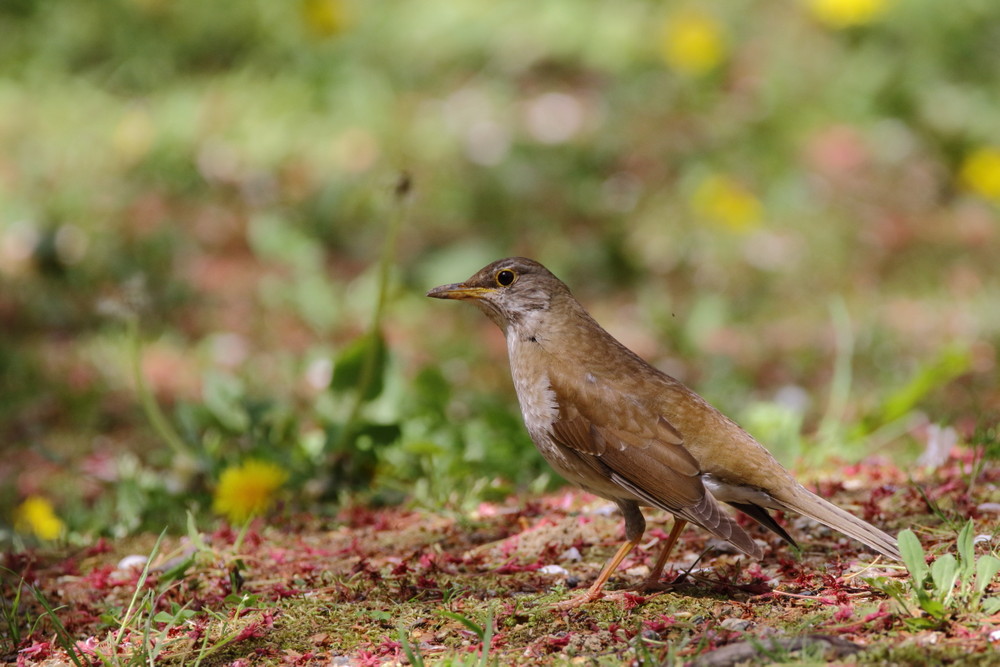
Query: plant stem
x=367, y=374
x=150, y=407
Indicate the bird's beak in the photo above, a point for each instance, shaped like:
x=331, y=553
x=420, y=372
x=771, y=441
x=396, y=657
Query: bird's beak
x=459, y=291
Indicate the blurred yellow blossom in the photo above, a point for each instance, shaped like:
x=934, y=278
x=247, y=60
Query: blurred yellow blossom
x=980, y=172
x=134, y=135
x=692, y=41
x=325, y=17
x=248, y=490
x=847, y=13
x=724, y=200
x=36, y=515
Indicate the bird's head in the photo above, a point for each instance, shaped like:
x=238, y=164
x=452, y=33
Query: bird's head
x=510, y=291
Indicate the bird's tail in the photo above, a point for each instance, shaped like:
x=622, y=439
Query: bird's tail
x=809, y=504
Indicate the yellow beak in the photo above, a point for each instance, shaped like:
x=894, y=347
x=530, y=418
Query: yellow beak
x=459, y=291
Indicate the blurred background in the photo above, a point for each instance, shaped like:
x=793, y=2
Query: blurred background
x=791, y=206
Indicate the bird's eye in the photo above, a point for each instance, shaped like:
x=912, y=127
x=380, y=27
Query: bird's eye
x=505, y=277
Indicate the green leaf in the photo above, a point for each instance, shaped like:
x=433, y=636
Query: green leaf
x=952, y=362
x=991, y=606
x=986, y=568
x=379, y=434
x=223, y=395
x=913, y=556
x=966, y=553
x=933, y=607
x=276, y=239
x=178, y=571
x=414, y=657
x=466, y=621
x=361, y=366
x=944, y=573
x=193, y=534
x=176, y=615
x=920, y=623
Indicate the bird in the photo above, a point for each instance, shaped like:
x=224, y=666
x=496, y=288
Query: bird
x=612, y=424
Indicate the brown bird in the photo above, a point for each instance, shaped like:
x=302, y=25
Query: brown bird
x=617, y=427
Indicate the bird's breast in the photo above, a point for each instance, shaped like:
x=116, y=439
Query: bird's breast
x=531, y=382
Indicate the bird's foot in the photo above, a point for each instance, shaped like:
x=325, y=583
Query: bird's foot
x=578, y=600
x=657, y=585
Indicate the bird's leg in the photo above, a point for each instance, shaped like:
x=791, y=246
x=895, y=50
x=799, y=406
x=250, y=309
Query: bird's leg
x=635, y=526
x=652, y=582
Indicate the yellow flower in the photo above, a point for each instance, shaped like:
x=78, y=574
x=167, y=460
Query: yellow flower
x=36, y=515
x=980, y=172
x=847, y=13
x=325, y=17
x=724, y=200
x=248, y=490
x=692, y=41
x=134, y=135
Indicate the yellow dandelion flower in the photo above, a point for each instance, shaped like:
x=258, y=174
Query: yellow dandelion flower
x=724, y=200
x=692, y=41
x=980, y=172
x=847, y=13
x=134, y=136
x=325, y=17
x=248, y=490
x=36, y=515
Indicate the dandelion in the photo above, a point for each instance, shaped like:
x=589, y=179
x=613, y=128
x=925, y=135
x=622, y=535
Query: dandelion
x=980, y=172
x=36, y=515
x=724, y=200
x=134, y=136
x=846, y=13
x=325, y=17
x=692, y=41
x=248, y=490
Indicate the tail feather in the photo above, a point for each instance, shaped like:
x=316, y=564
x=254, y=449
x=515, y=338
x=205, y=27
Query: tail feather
x=809, y=504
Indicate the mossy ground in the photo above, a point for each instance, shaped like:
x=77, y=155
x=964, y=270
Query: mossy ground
x=371, y=584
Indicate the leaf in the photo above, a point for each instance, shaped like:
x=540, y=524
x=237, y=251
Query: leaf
x=966, y=553
x=466, y=621
x=920, y=623
x=952, y=362
x=991, y=606
x=913, y=556
x=414, y=657
x=986, y=568
x=944, y=573
x=194, y=535
x=178, y=571
x=223, y=396
x=361, y=366
x=276, y=239
x=379, y=434
x=933, y=607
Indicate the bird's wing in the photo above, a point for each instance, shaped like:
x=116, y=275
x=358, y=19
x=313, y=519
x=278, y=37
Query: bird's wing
x=644, y=455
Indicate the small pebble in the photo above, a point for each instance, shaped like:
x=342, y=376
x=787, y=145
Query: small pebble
x=572, y=554
x=553, y=569
x=651, y=635
x=135, y=560
x=736, y=624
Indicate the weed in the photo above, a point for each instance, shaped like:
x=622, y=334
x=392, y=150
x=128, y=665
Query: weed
x=950, y=588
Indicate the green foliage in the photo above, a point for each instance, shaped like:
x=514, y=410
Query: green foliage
x=361, y=367
x=951, y=362
x=951, y=587
x=483, y=632
x=222, y=171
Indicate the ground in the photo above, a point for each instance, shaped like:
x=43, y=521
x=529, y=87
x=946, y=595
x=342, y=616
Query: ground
x=398, y=585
